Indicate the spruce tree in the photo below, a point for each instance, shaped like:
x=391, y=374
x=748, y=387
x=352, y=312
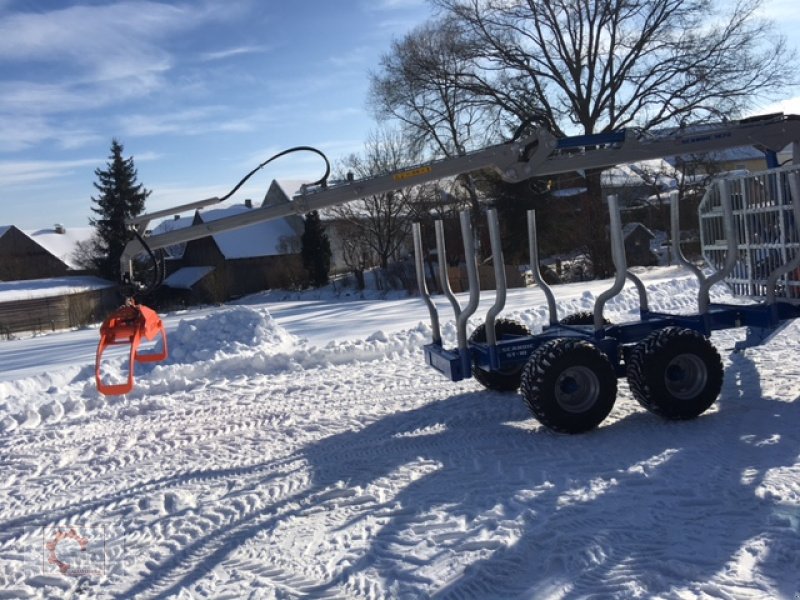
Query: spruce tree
x=316, y=250
x=120, y=197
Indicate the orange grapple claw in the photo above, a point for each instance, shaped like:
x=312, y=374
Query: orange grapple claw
x=127, y=325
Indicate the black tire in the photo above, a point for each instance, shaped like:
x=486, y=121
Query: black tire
x=569, y=385
x=585, y=317
x=506, y=380
x=675, y=373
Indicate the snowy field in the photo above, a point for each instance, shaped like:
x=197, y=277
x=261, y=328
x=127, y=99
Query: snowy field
x=298, y=447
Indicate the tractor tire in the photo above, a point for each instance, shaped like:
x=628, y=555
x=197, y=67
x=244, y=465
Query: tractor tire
x=570, y=386
x=675, y=373
x=585, y=317
x=506, y=380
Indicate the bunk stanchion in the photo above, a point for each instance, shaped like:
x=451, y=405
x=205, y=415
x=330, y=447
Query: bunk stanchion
x=500, y=286
x=441, y=257
x=127, y=326
x=419, y=263
x=620, y=263
x=791, y=267
x=644, y=305
x=732, y=254
x=533, y=248
x=675, y=222
x=474, y=290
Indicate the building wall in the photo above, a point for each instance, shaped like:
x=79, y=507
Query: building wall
x=637, y=248
x=21, y=258
x=232, y=278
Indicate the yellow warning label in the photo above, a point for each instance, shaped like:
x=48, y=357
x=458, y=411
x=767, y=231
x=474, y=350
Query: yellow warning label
x=412, y=173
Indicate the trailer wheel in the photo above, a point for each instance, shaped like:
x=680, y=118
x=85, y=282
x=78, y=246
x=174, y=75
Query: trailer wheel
x=569, y=385
x=584, y=317
x=675, y=373
x=505, y=380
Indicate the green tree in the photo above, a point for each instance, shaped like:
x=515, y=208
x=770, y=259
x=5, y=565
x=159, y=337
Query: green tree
x=120, y=197
x=316, y=250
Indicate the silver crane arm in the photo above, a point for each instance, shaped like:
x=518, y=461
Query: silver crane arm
x=535, y=155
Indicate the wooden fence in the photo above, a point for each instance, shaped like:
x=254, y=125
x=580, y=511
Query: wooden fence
x=56, y=312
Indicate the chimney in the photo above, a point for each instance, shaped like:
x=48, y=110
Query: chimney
x=59, y=228
x=248, y=203
x=176, y=218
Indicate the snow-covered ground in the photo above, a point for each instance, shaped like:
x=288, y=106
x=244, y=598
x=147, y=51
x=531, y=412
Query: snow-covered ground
x=298, y=447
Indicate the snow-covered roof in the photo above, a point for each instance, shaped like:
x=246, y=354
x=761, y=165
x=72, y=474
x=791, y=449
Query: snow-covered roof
x=186, y=277
x=260, y=239
x=647, y=172
x=287, y=188
x=45, y=288
x=629, y=228
x=568, y=192
x=61, y=245
x=176, y=250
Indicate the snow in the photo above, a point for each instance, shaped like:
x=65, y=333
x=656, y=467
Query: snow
x=295, y=445
x=51, y=287
x=62, y=245
x=260, y=239
x=186, y=277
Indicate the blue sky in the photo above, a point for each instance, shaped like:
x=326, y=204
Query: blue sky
x=199, y=92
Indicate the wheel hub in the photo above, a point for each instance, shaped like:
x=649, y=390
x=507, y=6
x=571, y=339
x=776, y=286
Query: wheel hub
x=685, y=376
x=577, y=389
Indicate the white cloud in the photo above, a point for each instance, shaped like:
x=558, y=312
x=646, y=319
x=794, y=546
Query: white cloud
x=104, y=41
x=15, y=173
x=194, y=121
x=781, y=11
x=231, y=52
x=394, y=4
x=790, y=106
x=19, y=132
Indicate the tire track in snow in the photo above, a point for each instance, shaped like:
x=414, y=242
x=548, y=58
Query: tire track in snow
x=219, y=421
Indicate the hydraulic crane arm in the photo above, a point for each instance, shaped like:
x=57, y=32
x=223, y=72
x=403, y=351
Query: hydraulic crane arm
x=535, y=155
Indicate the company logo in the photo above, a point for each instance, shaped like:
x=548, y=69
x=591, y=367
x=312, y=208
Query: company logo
x=74, y=551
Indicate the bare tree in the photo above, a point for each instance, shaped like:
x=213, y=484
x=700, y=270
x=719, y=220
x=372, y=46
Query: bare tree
x=380, y=220
x=423, y=83
x=591, y=66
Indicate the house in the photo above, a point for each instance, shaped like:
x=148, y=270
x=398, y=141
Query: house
x=38, y=305
x=234, y=263
x=41, y=253
x=41, y=286
x=637, y=245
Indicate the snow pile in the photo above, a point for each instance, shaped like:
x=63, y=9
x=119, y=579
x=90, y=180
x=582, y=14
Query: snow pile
x=230, y=331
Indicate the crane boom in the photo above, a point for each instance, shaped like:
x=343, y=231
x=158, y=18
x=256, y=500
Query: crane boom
x=535, y=155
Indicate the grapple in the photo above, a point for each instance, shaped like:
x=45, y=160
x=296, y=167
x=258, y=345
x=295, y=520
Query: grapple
x=128, y=325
